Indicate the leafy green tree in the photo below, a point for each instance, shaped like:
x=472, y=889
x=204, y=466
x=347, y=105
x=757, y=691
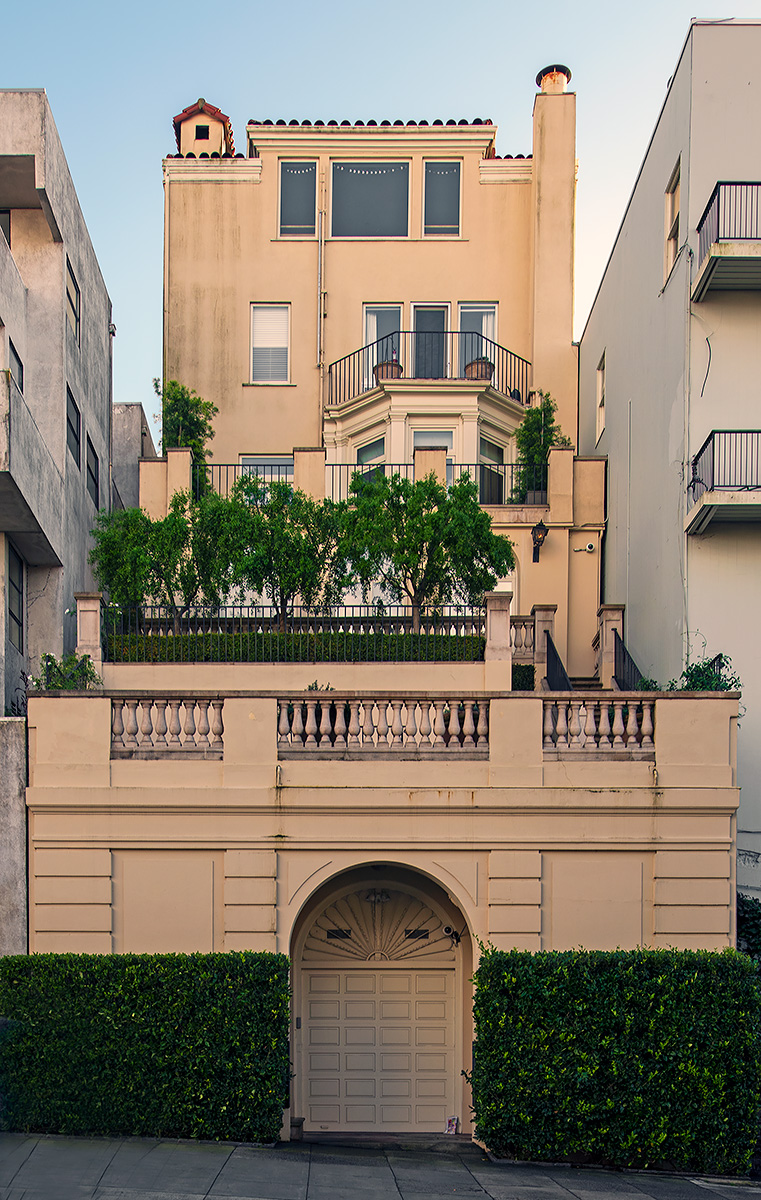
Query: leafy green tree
x=422, y=542
x=285, y=544
x=186, y=419
x=534, y=438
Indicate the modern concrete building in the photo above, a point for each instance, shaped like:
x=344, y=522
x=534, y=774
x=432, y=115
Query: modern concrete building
x=55, y=393
x=669, y=367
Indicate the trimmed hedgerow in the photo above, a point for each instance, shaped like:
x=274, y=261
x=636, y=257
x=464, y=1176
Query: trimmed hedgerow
x=523, y=677
x=630, y=1058
x=295, y=647
x=749, y=925
x=160, y=1045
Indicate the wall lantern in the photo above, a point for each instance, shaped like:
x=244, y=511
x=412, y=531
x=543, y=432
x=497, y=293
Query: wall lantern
x=538, y=536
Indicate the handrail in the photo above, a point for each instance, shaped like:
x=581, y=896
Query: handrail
x=557, y=676
x=625, y=672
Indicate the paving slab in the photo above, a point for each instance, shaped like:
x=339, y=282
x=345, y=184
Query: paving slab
x=15, y=1149
x=171, y=1167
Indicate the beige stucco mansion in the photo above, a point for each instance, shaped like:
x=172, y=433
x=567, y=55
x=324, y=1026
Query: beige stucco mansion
x=383, y=295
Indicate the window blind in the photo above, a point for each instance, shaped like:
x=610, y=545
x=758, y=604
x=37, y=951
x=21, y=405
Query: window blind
x=269, y=343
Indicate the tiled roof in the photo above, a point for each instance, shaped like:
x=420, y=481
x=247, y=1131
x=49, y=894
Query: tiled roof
x=203, y=106
x=370, y=124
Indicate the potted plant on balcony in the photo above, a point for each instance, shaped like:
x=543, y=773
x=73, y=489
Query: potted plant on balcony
x=390, y=369
x=479, y=368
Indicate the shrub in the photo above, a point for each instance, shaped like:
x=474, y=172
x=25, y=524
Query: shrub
x=708, y=675
x=68, y=674
x=295, y=647
x=159, y=1045
x=749, y=925
x=629, y=1058
x=523, y=677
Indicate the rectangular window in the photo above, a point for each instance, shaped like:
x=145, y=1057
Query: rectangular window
x=72, y=300
x=672, y=219
x=477, y=332
x=298, y=191
x=202, y=133
x=435, y=439
x=16, y=367
x=93, y=474
x=371, y=453
x=5, y=224
x=269, y=343
x=370, y=199
x=15, y=600
x=600, y=421
x=73, y=428
x=491, y=474
x=277, y=468
x=382, y=327
x=442, y=199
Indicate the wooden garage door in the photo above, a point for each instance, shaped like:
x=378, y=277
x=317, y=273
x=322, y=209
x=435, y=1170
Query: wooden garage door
x=378, y=1049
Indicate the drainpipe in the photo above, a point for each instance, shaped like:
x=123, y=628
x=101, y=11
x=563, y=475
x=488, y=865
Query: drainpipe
x=321, y=293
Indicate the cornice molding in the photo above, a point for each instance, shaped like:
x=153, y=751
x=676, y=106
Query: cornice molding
x=212, y=170
x=505, y=170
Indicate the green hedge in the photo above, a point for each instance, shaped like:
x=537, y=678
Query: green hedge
x=523, y=677
x=160, y=1045
x=629, y=1058
x=295, y=647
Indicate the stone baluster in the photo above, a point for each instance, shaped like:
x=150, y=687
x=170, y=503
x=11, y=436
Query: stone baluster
x=203, y=723
x=549, y=725
x=146, y=724
x=354, y=725
x=647, y=725
x=618, y=724
x=397, y=729
x=410, y=727
x=325, y=730
x=439, y=728
x=424, y=725
x=454, y=725
x=283, y=724
x=340, y=725
x=469, y=727
x=604, y=742
x=130, y=724
x=311, y=722
x=174, y=724
x=562, y=725
x=217, y=725
x=297, y=726
x=159, y=727
x=632, y=725
x=190, y=725
x=382, y=724
x=590, y=725
x=368, y=726
x=574, y=725
x=117, y=723
x=482, y=729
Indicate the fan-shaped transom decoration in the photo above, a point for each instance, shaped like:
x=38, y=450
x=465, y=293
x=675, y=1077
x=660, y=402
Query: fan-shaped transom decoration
x=378, y=924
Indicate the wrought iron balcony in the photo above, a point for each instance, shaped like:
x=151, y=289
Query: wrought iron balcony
x=433, y=357
x=729, y=240
x=726, y=472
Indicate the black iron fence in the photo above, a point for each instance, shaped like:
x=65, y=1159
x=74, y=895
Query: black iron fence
x=407, y=354
x=557, y=676
x=497, y=483
x=733, y=214
x=258, y=633
x=625, y=671
x=729, y=460
x=338, y=476
x=220, y=477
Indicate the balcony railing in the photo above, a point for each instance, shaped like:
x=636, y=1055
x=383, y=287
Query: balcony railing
x=408, y=354
x=728, y=460
x=733, y=214
x=497, y=483
x=220, y=477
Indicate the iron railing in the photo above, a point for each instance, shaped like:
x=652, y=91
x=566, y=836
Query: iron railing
x=416, y=355
x=728, y=460
x=257, y=633
x=733, y=214
x=557, y=676
x=221, y=477
x=625, y=671
x=506, y=483
x=338, y=476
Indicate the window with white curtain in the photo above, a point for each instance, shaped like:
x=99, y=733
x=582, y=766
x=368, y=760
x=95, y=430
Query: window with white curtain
x=477, y=324
x=269, y=343
x=370, y=199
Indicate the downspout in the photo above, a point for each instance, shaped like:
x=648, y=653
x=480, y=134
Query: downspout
x=321, y=293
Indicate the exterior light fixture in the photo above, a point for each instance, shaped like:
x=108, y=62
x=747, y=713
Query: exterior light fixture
x=538, y=536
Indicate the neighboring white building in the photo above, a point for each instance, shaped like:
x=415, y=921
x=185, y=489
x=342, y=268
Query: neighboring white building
x=670, y=391
x=55, y=392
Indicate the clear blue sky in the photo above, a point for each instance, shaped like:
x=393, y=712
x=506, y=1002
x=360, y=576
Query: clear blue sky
x=116, y=75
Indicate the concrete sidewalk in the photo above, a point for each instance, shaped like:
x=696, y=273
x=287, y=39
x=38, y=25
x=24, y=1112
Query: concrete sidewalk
x=58, y=1168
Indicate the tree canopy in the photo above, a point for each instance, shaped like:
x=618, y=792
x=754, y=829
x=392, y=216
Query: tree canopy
x=186, y=419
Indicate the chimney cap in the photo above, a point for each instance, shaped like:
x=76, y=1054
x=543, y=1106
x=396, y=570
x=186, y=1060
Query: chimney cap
x=555, y=69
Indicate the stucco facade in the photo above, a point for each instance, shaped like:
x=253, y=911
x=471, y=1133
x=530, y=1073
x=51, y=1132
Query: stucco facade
x=672, y=343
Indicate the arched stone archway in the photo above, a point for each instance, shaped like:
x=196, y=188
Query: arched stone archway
x=382, y=962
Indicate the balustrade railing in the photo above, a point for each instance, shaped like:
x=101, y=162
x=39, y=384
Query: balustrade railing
x=409, y=354
x=733, y=214
x=408, y=726
x=599, y=724
x=728, y=460
x=522, y=638
x=154, y=726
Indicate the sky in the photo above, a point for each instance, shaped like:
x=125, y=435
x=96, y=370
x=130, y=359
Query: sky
x=116, y=76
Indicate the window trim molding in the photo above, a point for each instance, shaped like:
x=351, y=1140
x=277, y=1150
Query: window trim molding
x=286, y=304
x=672, y=220
x=371, y=237
x=292, y=237
x=441, y=236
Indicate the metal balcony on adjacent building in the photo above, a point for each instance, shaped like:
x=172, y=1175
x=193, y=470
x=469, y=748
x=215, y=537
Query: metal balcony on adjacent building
x=725, y=482
x=729, y=241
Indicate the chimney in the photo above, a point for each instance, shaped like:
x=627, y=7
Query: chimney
x=553, y=80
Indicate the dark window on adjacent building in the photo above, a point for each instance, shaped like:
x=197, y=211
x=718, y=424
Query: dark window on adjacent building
x=202, y=133
x=370, y=199
x=15, y=600
x=93, y=474
x=442, y=198
x=72, y=300
x=16, y=366
x=5, y=224
x=73, y=428
x=298, y=182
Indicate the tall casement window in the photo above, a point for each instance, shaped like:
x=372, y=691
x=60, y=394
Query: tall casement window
x=73, y=301
x=600, y=388
x=15, y=600
x=16, y=367
x=442, y=199
x=370, y=199
x=298, y=191
x=269, y=343
x=672, y=219
x=93, y=474
x=5, y=224
x=477, y=333
x=73, y=428
x=491, y=472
